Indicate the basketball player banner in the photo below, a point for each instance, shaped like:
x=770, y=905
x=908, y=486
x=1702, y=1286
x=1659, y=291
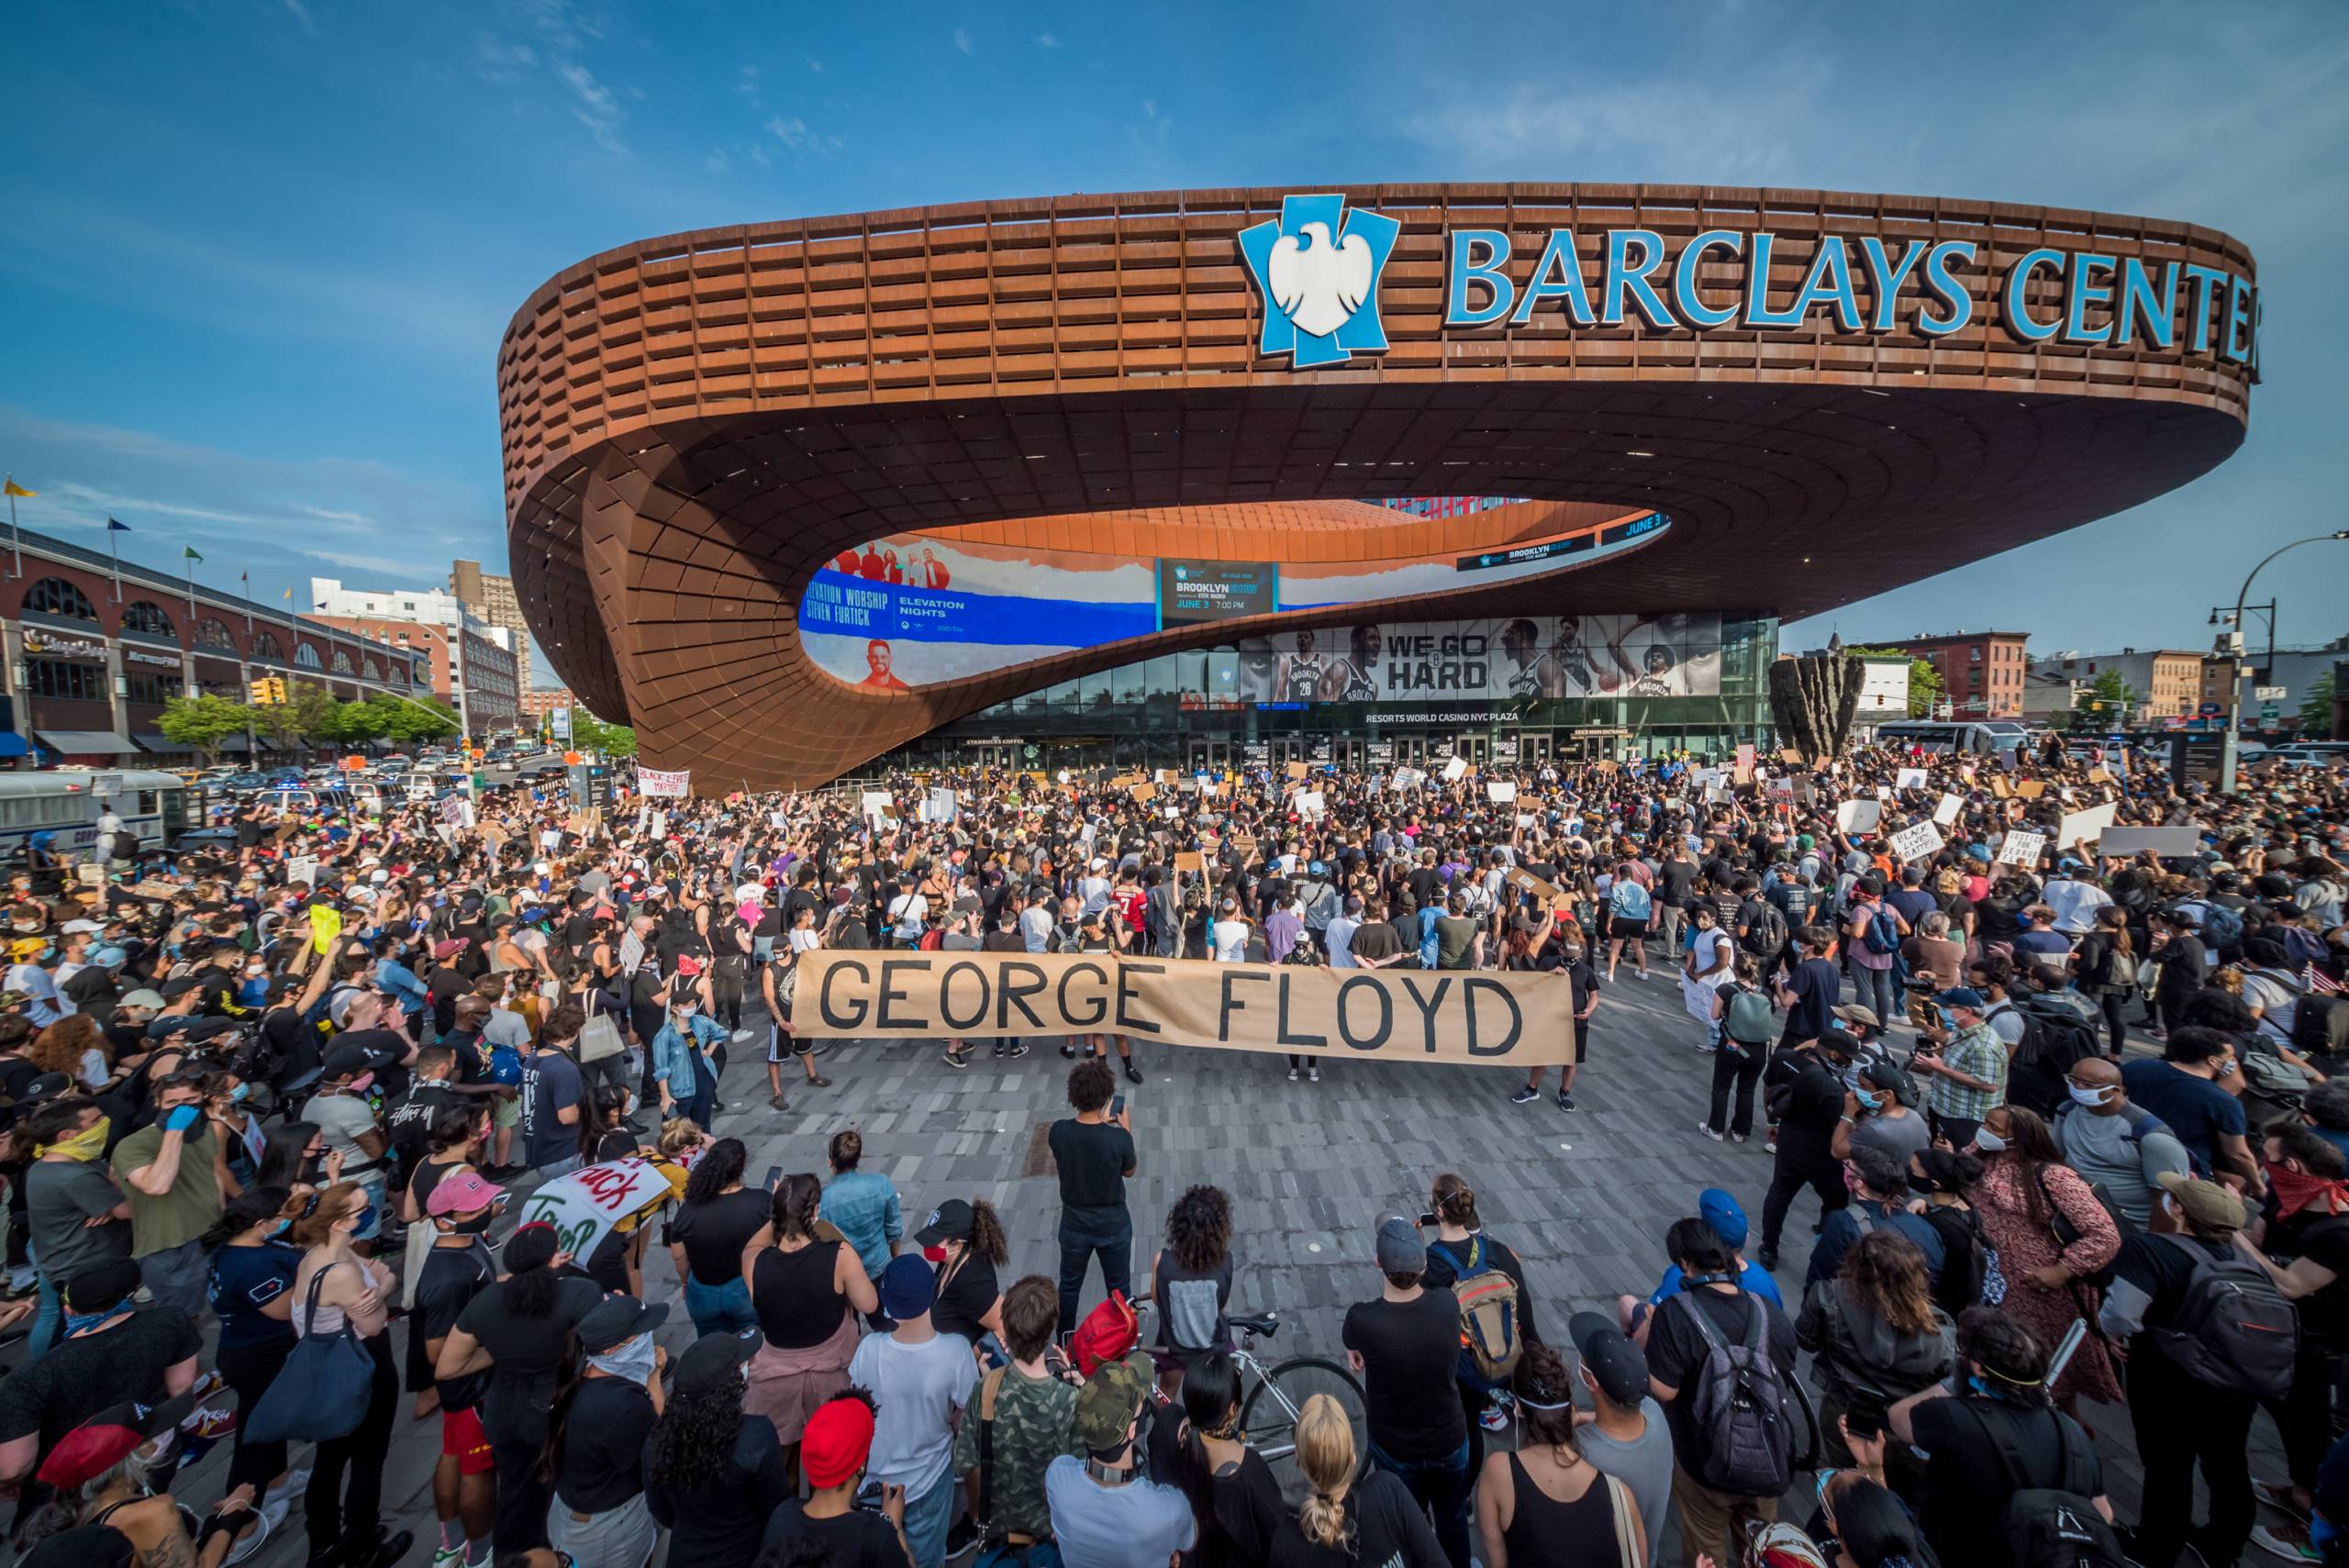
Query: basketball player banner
x=1403, y=1016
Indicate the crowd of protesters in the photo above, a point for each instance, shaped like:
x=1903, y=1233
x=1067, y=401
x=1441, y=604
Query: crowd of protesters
x=2066, y=1117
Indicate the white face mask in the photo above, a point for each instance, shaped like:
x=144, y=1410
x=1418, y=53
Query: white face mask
x=1988, y=1142
x=2091, y=1098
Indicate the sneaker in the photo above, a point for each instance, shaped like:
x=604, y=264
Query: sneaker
x=1019, y=1049
x=1771, y=1147
x=1707, y=1048
x=449, y=1556
x=2277, y=1495
x=1524, y=1097
x=956, y=1058
x=272, y=1514
x=962, y=1536
x=1133, y=1074
x=776, y=1102
x=1737, y=1138
x=1767, y=1258
x=1312, y=1074
x=2288, y=1541
x=1707, y=1129
x=1068, y=1050
x=1566, y=1100
x=1292, y=1074
x=999, y=1050
x=741, y=1035
x=1493, y=1418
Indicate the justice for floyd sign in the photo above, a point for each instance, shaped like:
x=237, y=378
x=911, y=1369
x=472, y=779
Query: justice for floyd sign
x=1398, y=1016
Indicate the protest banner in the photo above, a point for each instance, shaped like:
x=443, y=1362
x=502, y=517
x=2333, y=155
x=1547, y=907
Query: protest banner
x=1500, y=793
x=1946, y=812
x=1398, y=1016
x=651, y=782
x=2084, y=827
x=585, y=1204
x=1909, y=778
x=1859, y=815
x=1456, y=770
x=2120, y=842
x=1918, y=843
x=2021, y=848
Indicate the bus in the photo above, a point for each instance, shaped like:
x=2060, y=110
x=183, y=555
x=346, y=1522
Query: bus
x=1948, y=735
x=68, y=802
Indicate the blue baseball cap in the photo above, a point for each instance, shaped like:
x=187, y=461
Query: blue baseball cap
x=1961, y=996
x=907, y=1287
x=1724, y=1214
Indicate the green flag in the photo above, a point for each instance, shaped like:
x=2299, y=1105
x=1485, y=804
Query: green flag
x=189, y=550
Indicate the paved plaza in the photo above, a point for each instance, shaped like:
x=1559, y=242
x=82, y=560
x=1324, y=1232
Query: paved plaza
x=1585, y=1197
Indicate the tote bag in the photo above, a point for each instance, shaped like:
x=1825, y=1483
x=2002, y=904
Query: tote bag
x=600, y=1039
x=322, y=1391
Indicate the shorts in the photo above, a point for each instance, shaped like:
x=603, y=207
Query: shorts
x=1625, y=928
x=782, y=1047
x=462, y=1439
x=505, y=1112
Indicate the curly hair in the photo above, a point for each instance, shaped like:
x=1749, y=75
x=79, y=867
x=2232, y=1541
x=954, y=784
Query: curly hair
x=1884, y=1275
x=1198, y=1228
x=720, y=1167
x=2008, y=1355
x=693, y=1443
x=988, y=1238
x=60, y=1046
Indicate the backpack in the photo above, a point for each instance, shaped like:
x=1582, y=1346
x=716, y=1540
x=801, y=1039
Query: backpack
x=1765, y=933
x=2223, y=925
x=1748, y=1019
x=1740, y=1407
x=505, y=1065
x=2054, y=1041
x=2234, y=1330
x=1965, y=1257
x=1883, y=935
x=932, y=941
x=2303, y=947
x=1487, y=1298
x=2273, y=1092
x=1627, y=899
x=2320, y=1026
x=2051, y=1527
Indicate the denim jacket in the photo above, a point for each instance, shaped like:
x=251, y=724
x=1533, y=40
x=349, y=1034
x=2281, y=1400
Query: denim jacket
x=673, y=1051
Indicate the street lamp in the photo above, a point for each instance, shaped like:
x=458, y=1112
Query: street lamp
x=2233, y=638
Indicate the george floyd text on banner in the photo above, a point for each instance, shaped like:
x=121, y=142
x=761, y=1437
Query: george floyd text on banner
x=1405, y=1015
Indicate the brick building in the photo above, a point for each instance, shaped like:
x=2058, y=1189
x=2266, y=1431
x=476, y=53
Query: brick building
x=2168, y=681
x=477, y=681
x=490, y=597
x=1981, y=672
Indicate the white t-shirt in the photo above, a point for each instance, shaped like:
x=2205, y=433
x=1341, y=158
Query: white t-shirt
x=1230, y=941
x=917, y=1389
x=910, y=911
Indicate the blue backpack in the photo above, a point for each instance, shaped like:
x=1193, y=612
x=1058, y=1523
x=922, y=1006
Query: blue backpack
x=2223, y=925
x=505, y=1064
x=1883, y=935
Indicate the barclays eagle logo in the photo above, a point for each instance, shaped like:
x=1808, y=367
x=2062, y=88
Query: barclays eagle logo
x=1318, y=269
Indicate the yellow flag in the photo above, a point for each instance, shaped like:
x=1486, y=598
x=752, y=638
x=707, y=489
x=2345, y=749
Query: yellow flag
x=13, y=488
x=326, y=924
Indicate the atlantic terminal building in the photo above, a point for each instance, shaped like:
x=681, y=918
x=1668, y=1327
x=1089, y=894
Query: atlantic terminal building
x=1360, y=474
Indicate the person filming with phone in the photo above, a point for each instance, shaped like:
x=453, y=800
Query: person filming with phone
x=1095, y=1152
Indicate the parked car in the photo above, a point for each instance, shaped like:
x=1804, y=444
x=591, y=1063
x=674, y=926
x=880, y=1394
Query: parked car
x=206, y=841
x=2310, y=754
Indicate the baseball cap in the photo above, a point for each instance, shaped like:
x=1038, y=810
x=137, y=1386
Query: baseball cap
x=75, y=928
x=101, y=1285
x=1719, y=1209
x=906, y=1287
x=463, y=1194
x=1615, y=1364
x=712, y=1360
x=614, y=1320
x=1961, y=996
x=1110, y=1400
x=2207, y=1204
x=108, y=1438
x=950, y=1221
x=1397, y=1245
x=836, y=1441
x=352, y=1060
x=449, y=948
x=143, y=997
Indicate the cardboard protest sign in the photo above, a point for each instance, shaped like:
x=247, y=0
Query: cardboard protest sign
x=1946, y=812
x=1456, y=770
x=1190, y=860
x=1242, y=845
x=1398, y=1016
x=1909, y=778
x=1999, y=787
x=585, y=1204
x=1745, y=760
x=1822, y=761
x=1500, y=793
x=1918, y=843
x=2084, y=827
x=1789, y=756
x=1297, y=769
x=2031, y=789
x=1525, y=881
x=1859, y=815
x=2098, y=775
x=2118, y=842
x=2021, y=848
x=1144, y=793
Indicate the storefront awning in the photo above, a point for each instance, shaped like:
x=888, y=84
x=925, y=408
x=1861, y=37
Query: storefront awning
x=151, y=740
x=11, y=744
x=67, y=742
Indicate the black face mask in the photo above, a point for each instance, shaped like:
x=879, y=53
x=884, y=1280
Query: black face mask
x=478, y=1226
x=1924, y=1184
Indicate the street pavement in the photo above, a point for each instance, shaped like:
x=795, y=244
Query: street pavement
x=1585, y=1197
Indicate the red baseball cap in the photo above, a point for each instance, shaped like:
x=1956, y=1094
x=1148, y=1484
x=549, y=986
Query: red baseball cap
x=838, y=1436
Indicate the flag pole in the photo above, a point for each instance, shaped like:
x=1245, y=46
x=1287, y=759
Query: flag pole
x=246, y=577
x=115, y=551
x=191, y=581
x=15, y=535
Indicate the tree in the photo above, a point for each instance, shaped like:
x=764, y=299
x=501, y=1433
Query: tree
x=2316, y=709
x=201, y=723
x=351, y=724
x=304, y=714
x=1925, y=687
x=592, y=734
x=2105, y=702
x=413, y=721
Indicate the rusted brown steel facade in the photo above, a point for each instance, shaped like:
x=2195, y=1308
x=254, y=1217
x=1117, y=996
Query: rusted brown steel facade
x=693, y=424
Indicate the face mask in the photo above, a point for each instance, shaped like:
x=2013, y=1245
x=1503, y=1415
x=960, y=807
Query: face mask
x=1867, y=1101
x=1988, y=1142
x=1948, y=1019
x=2091, y=1098
x=1920, y=1185
x=84, y=1146
x=630, y=1359
x=364, y=1218
x=477, y=1226
x=280, y=1228
x=365, y=1082
x=77, y=1322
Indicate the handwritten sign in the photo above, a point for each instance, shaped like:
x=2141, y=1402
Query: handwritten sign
x=585, y=1204
x=1918, y=843
x=655, y=781
x=1859, y=815
x=2019, y=849
x=1946, y=812
x=1190, y=860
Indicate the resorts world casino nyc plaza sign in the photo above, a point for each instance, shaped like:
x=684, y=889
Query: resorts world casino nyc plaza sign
x=1319, y=268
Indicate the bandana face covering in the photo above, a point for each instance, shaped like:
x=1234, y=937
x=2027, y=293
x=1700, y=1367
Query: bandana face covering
x=84, y=1146
x=630, y=1359
x=77, y=1322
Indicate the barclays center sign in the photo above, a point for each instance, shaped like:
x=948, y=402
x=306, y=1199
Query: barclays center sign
x=1319, y=267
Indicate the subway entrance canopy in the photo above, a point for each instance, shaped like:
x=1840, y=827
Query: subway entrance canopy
x=1692, y=399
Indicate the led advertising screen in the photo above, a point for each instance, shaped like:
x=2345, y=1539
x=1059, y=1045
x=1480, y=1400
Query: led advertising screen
x=1194, y=591
x=1519, y=656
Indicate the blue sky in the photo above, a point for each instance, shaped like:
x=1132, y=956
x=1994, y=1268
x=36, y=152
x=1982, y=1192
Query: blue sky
x=258, y=253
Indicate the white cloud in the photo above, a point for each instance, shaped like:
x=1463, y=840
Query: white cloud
x=497, y=62
x=1047, y=40
x=594, y=107
x=815, y=65
x=794, y=134
x=962, y=39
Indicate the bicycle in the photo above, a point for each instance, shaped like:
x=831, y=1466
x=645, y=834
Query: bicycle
x=1274, y=1397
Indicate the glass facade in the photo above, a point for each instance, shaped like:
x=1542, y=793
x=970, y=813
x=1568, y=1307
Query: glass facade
x=1184, y=710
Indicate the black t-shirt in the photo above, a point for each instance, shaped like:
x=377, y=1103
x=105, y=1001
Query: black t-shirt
x=853, y=1539
x=407, y=1122
x=295, y=1044
x=715, y=1232
x=1963, y=1511
x=1095, y=1158
x=720, y=1527
x=1674, y=881
x=1410, y=1351
x=2321, y=1239
x=85, y=1375
x=965, y=1298
x=1676, y=1352
x=526, y=1353
x=383, y=1047
x=1388, y=1528
x=442, y=988
x=1814, y=1104
x=451, y=1277
x=601, y=1462
x=1375, y=940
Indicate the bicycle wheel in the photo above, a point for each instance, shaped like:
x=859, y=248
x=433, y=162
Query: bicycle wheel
x=1268, y=1419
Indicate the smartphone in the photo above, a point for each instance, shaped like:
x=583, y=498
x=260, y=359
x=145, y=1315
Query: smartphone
x=774, y=1177
x=1427, y=1221
x=1116, y=1106
x=1866, y=1415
